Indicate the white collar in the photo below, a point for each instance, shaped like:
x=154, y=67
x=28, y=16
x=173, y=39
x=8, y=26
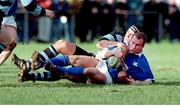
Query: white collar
x=140, y=54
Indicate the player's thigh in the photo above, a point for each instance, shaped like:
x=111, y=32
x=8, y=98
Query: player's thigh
x=8, y=35
x=95, y=76
x=83, y=61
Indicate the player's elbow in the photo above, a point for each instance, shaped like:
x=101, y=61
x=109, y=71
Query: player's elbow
x=12, y=45
x=99, y=44
x=122, y=76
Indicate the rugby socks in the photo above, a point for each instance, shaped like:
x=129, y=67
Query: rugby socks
x=45, y=55
x=61, y=61
x=74, y=71
x=80, y=51
x=33, y=7
x=42, y=76
x=48, y=53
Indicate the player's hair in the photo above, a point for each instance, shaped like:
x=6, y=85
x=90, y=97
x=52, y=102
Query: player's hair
x=141, y=35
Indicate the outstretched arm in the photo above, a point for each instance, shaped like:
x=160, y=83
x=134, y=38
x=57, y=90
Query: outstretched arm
x=37, y=10
x=137, y=82
x=105, y=43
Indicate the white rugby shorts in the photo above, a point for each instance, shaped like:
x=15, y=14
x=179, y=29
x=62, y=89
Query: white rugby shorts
x=9, y=20
x=102, y=67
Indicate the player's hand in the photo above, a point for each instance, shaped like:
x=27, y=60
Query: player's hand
x=121, y=54
x=131, y=80
x=50, y=14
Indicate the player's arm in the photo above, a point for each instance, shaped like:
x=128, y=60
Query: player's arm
x=37, y=10
x=105, y=43
x=110, y=39
x=131, y=81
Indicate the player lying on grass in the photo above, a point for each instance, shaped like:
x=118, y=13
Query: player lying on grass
x=8, y=27
x=60, y=47
x=137, y=68
x=80, y=62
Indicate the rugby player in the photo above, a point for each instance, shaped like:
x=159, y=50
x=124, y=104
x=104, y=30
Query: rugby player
x=60, y=47
x=136, y=67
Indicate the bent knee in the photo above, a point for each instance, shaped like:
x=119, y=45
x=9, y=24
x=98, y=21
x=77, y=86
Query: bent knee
x=64, y=47
x=73, y=59
x=12, y=45
x=90, y=71
x=62, y=43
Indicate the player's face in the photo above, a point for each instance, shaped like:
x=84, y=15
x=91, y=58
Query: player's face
x=135, y=45
x=128, y=36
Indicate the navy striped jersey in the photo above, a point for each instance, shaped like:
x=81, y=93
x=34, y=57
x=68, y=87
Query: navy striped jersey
x=113, y=36
x=8, y=7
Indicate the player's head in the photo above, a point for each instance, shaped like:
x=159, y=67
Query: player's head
x=137, y=43
x=131, y=31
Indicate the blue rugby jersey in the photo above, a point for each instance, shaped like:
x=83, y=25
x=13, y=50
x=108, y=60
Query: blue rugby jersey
x=138, y=67
x=9, y=7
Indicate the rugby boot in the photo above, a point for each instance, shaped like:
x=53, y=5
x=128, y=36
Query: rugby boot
x=23, y=75
x=21, y=63
x=36, y=61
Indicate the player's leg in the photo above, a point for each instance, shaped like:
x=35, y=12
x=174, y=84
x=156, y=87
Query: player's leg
x=61, y=46
x=68, y=48
x=82, y=61
x=74, y=60
x=22, y=64
x=8, y=36
x=94, y=76
x=25, y=75
x=75, y=74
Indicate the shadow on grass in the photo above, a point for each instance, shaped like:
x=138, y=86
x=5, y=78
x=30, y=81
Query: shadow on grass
x=168, y=83
x=68, y=84
x=47, y=84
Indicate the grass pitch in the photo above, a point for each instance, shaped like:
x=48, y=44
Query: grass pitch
x=164, y=59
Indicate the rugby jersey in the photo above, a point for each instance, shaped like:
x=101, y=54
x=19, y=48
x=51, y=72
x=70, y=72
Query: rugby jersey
x=113, y=36
x=8, y=7
x=138, y=67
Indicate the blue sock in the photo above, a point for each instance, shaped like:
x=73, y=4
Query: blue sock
x=74, y=71
x=60, y=61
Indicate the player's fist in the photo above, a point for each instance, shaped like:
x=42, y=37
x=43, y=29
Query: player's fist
x=50, y=14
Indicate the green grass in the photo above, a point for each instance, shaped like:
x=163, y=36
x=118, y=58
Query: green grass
x=164, y=59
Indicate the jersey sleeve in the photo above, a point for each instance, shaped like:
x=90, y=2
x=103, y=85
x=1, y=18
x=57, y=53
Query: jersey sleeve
x=31, y=6
x=113, y=36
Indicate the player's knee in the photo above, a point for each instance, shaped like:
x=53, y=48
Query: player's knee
x=62, y=43
x=73, y=59
x=64, y=47
x=89, y=71
x=122, y=76
x=12, y=45
x=94, y=76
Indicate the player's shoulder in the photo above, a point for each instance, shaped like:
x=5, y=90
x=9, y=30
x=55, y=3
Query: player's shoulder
x=113, y=36
x=116, y=33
